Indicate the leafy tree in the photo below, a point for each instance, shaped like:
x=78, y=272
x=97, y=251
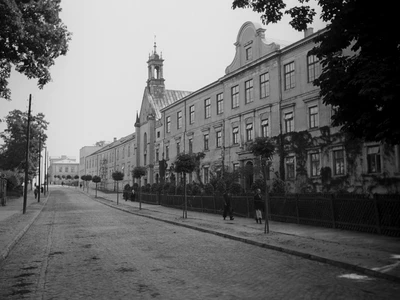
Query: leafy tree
x=32, y=36
x=117, y=176
x=185, y=163
x=86, y=178
x=362, y=85
x=138, y=172
x=100, y=143
x=96, y=179
x=13, y=149
x=198, y=157
x=69, y=177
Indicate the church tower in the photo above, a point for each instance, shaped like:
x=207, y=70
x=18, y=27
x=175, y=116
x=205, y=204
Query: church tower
x=155, y=81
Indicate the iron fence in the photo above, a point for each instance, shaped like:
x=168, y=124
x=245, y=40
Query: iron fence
x=378, y=214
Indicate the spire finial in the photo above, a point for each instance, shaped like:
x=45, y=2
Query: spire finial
x=155, y=45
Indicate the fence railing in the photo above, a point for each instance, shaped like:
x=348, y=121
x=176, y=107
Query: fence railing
x=379, y=214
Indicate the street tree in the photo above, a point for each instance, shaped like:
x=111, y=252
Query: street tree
x=32, y=36
x=185, y=163
x=13, y=149
x=360, y=60
x=96, y=179
x=86, y=178
x=117, y=176
x=264, y=148
x=138, y=172
x=100, y=143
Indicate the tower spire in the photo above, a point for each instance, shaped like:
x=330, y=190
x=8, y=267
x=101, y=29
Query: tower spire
x=155, y=45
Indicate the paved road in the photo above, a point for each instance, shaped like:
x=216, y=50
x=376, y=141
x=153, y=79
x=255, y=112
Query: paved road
x=81, y=249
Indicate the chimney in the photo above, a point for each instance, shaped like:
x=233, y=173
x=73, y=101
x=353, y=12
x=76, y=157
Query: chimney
x=309, y=31
x=115, y=139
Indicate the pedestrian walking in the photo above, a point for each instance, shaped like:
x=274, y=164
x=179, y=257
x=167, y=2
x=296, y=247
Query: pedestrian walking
x=258, y=206
x=228, y=206
x=35, y=191
x=133, y=195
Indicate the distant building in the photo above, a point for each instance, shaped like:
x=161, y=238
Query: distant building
x=62, y=169
x=267, y=91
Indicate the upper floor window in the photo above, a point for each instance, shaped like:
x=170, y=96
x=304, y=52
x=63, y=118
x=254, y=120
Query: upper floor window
x=190, y=145
x=191, y=114
x=72, y=169
x=290, y=81
x=219, y=139
x=264, y=85
x=235, y=135
x=289, y=163
x=206, y=136
x=314, y=160
x=338, y=162
x=60, y=168
x=249, y=53
x=129, y=150
x=145, y=159
x=374, y=159
x=144, y=142
x=313, y=116
x=235, y=96
x=289, y=122
x=249, y=132
x=167, y=152
x=157, y=155
x=168, y=122
x=158, y=134
x=264, y=127
x=207, y=106
x=313, y=67
x=179, y=117
x=123, y=153
x=248, y=85
x=220, y=103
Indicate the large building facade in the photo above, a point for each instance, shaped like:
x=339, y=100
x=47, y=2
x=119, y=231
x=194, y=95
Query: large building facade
x=62, y=169
x=267, y=91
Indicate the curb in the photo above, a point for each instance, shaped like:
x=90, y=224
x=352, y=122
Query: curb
x=308, y=256
x=17, y=238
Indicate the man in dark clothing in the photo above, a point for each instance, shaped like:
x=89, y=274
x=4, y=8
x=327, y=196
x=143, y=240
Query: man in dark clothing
x=258, y=206
x=227, y=206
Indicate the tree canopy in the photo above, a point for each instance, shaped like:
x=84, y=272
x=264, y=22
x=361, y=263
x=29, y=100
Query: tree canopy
x=138, y=172
x=13, y=149
x=32, y=36
x=360, y=57
x=185, y=163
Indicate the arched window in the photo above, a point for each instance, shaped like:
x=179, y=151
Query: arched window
x=145, y=141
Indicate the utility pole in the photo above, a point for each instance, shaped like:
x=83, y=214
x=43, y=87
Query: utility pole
x=40, y=166
x=45, y=170
x=27, y=155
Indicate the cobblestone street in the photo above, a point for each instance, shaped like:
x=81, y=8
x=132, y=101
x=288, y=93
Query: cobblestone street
x=81, y=249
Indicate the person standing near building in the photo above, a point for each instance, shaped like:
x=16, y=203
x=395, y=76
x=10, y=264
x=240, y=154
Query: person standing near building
x=227, y=206
x=258, y=206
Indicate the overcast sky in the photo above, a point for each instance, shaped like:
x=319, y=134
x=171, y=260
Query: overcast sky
x=97, y=87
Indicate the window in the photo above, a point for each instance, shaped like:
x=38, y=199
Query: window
x=235, y=96
x=220, y=104
x=264, y=85
x=206, y=141
x=128, y=170
x=235, y=167
x=190, y=145
x=264, y=128
x=66, y=169
x=235, y=135
x=219, y=139
x=168, y=122
x=313, y=116
x=129, y=150
x=249, y=132
x=144, y=142
x=123, y=153
x=313, y=67
x=249, y=53
x=60, y=169
x=289, y=122
x=157, y=155
x=314, y=159
x=248, y=96
x=289, y=167
x=158, y=134
x=167, y=152
x=72, y=169
x=374, y=159
x=206, y=171
x=179, y=116
x=145, y=159
x=207, y=108
x=178, y=147
x=191, y=114
x=290, y=81
x=338, y=162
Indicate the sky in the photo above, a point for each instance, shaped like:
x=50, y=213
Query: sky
x=97, y=87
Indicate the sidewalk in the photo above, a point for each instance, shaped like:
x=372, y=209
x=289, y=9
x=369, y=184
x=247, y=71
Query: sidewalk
x=362, y=254
x=14, y=224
